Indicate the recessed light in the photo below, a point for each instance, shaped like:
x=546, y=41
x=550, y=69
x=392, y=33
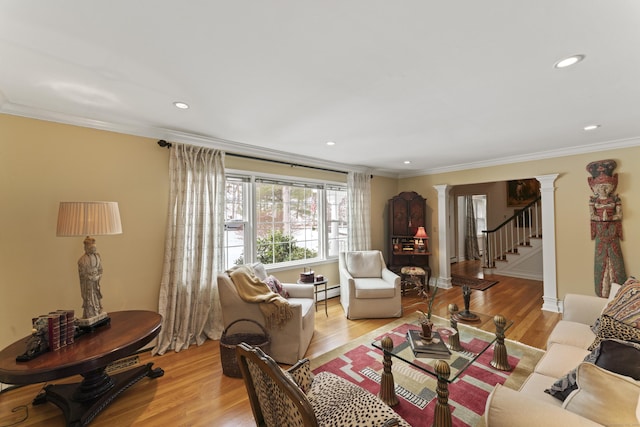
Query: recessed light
x=591, y=127
x=181, y=105
x=567, y=62
x=406, y=162
x=331, y=143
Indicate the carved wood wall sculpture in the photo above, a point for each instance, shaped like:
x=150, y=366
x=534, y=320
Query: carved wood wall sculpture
x=606, y=226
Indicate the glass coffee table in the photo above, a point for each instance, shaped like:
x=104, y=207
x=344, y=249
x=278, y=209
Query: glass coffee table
x=398, y=348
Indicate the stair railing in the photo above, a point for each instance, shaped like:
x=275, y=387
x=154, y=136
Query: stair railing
x=513, y=232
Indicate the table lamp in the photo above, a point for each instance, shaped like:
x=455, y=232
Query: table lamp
x=420, y=235
x=87, y=219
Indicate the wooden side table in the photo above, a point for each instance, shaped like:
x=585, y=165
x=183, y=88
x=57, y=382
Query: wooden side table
x=88, y=356
x=317, y=284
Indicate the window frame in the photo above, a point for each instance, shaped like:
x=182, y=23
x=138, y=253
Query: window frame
x=251, y=179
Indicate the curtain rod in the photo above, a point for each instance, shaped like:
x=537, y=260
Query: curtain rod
x=163, y=143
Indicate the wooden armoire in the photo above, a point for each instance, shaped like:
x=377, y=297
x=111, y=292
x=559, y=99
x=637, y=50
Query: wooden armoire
x=407, y=212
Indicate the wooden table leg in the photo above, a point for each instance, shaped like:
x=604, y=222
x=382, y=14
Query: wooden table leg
x=442, y=412
x=500, y=359
x=387, y=387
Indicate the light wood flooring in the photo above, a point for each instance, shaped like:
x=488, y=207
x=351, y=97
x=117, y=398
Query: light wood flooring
x=194, y=392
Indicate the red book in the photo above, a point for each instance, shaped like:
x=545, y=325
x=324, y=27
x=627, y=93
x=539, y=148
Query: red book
x=62, y=320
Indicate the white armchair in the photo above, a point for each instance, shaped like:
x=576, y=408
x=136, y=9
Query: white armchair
x=289, y=343
x=368, y=289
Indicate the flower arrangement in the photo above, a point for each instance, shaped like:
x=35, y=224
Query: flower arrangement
x=428, y=296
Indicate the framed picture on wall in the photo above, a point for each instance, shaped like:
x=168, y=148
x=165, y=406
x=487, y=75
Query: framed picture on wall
x=521, y=192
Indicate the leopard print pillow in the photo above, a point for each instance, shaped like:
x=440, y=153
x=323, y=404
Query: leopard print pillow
x=301, y=374
x=610, y=328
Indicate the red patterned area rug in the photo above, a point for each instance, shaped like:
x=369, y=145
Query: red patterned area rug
x=473, y=282
x=361, y=363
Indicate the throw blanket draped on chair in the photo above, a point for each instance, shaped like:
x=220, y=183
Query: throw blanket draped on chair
x=275, y=308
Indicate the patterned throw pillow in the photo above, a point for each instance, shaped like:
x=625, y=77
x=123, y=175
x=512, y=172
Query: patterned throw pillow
x=565, y=385
x=625, y=307
x=610, y=328
x=275, y=286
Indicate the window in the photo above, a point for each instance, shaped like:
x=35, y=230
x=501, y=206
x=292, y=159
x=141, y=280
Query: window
x=480, y=211
x=336, y=220
x=289, y=221
x=236, y=214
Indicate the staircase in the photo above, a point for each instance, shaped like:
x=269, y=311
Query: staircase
x=514, y=248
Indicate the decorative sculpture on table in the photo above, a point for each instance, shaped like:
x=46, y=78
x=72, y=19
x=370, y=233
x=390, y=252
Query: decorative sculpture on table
x=606, y=226
x=90, y=271
x=86, y=219
x=466, y=315
x=37, y=343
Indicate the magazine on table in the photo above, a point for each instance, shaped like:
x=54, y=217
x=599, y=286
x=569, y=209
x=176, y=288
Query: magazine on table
x=435, y=348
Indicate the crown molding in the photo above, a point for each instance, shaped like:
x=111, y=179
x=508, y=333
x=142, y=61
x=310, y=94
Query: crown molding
x=180, y=137
x=542, y=155
x=171, y=135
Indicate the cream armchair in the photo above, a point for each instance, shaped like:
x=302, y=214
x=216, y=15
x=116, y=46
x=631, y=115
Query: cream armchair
x=368, y=289
x=289, y=343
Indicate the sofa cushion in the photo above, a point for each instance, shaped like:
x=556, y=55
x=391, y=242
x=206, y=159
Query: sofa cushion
x=571, y=333
x=536, y=382
x=621, y=396
x=560, y=359
x=610, y=328
x=566, y=384
x=509, y=408
x=364, y=264
x=625, y=306
x=374, y=288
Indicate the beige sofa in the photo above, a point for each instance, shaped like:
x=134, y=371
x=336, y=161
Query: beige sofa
x=289, y=343
x=368, y=289
x=602, y=397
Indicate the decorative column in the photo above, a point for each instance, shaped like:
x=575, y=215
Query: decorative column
x=444, y=251
x=549, y=279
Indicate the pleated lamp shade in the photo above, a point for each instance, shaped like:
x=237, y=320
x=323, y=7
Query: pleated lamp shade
x=88, y=218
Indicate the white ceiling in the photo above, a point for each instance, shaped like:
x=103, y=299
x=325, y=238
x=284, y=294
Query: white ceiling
x=445, y=84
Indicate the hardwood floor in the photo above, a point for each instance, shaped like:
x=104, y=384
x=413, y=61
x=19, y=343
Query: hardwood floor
x=194, y=392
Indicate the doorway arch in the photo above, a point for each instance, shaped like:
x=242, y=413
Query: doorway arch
x=547, y=191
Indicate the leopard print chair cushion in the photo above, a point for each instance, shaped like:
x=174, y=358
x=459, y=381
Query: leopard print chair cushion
x=336, y=402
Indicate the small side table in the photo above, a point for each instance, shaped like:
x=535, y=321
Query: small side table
x=317, y=284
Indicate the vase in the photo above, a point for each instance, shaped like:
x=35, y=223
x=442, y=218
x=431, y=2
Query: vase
x=427, y=328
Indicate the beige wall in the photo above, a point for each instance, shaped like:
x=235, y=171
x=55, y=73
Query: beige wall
x=43, y=163
x=574, y=247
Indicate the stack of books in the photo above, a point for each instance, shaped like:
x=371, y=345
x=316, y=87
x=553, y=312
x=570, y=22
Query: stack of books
x=434, y=348
x=58, y=327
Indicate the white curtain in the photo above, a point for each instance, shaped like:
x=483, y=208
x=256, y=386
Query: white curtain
x=189, y=302
x=359, y=196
